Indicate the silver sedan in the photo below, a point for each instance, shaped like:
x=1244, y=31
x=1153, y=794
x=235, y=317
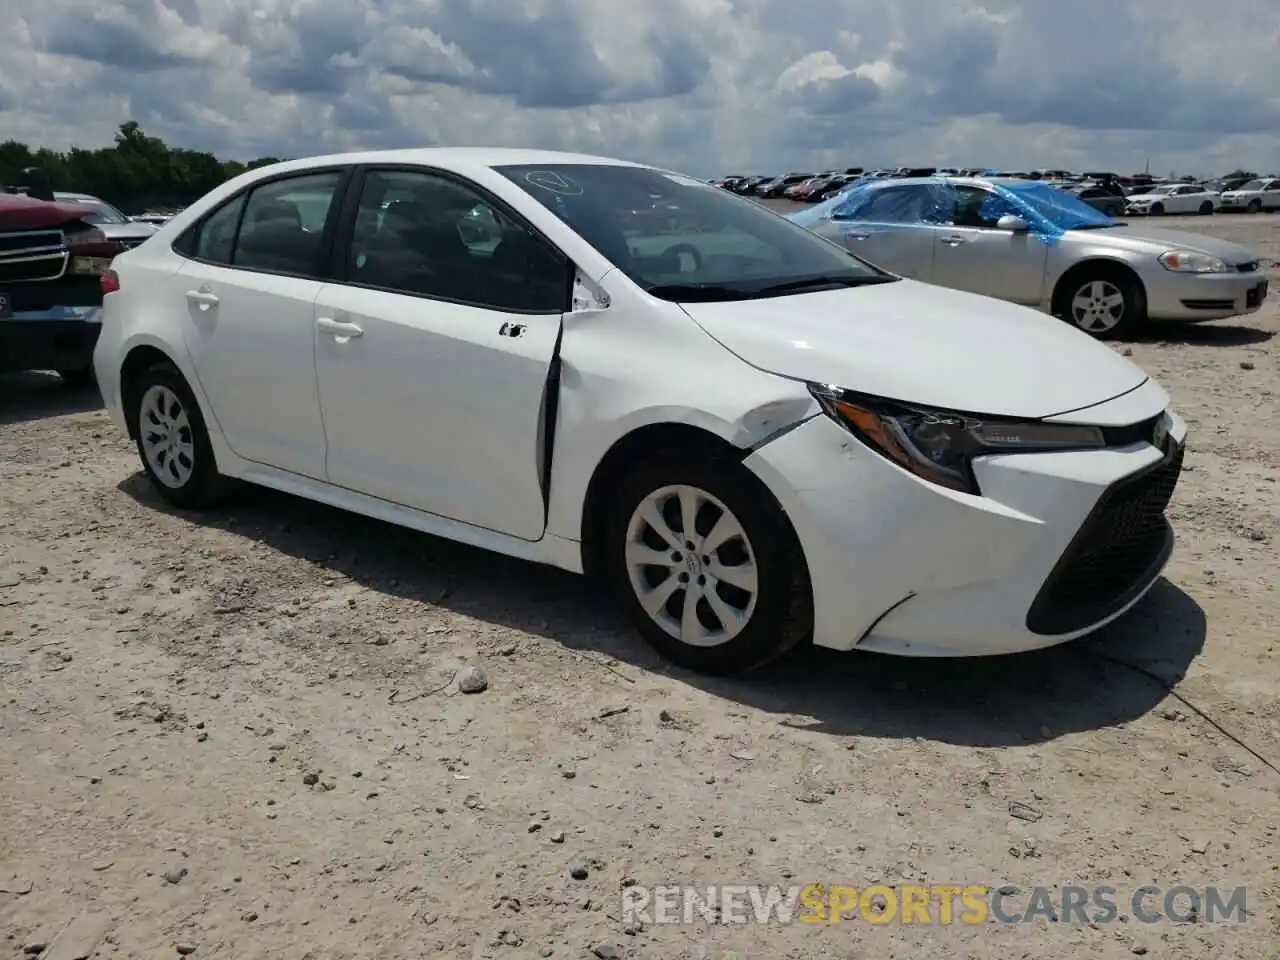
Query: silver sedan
x=1028, y=243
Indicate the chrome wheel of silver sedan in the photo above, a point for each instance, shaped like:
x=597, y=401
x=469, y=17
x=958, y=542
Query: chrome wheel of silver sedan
x=692, y=566
x=164, y=430
x=1098, y=307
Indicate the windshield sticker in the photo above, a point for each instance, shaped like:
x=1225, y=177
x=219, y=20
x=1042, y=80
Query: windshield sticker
x=553, y=182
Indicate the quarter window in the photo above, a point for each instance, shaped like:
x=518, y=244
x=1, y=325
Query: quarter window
x=216, y=236
x=283, y=226
x=427, y=235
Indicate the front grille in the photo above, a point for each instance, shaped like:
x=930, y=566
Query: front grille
x=1143, y=432
x=28, y=242
x=1249, y=267
x=29, y=255
x=1120, y=548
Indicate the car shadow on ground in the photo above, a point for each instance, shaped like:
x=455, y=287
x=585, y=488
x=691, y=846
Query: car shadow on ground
x=37, y=395
x=1205, y=335
x=1012, y=700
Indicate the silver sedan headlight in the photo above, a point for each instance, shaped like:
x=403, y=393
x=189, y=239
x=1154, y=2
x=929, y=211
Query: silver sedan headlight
x=1190, y=261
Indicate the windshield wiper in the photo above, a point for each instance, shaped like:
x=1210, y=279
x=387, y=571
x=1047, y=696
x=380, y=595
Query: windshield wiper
x=1101, y=226
x=693, y=292
x=821, y=282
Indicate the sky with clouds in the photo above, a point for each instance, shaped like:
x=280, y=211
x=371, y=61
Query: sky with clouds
x=705, y=86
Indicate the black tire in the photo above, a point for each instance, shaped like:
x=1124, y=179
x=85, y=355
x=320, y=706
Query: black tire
x=1132, y=317
x=1255, y=206
x=1157, y=209
x=1206, y=208
x=204, y=486
x=79, y=379
x=782, y=613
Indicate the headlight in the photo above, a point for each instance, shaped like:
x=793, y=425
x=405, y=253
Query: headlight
x=940, y=445
x=1188, y=261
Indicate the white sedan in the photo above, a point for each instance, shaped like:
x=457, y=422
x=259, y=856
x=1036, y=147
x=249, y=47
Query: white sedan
x=753, y=436
x=1173, y=198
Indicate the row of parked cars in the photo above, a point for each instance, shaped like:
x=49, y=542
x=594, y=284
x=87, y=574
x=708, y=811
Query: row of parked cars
x=1113, y=194
x=621, y=371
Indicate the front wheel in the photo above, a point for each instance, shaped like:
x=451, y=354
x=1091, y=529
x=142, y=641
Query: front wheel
x=707, y=565
x=1104, y=305
x=1157, y=209
x=1255, y=206
x=172, y=439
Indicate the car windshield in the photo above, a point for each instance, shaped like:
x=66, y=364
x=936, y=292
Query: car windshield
x=1252, y=185
x=681, y=239
x=1062, y=210
x=103, y=213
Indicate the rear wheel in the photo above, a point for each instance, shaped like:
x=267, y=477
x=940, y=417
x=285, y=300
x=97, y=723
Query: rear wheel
x=172, y=439
x=707, y=565
x=1206, y=207
x=1105, y=304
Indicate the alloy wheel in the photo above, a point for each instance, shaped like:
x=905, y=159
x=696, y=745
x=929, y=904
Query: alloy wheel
x=165, y=433
x=691, y=565
x=1098, y=307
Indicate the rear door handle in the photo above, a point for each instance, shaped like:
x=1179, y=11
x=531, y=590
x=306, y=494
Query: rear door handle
x=512, y=330
x=857, y=236
x=953, y=241
x=203, y=297
x=339, y=329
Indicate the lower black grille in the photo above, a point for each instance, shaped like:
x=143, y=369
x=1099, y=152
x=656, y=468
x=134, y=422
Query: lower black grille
x=1119, y=549
x=1208, y=304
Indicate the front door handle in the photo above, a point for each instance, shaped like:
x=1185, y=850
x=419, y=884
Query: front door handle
x=512, y=330
x=203, y=297
x=341, y=331
x=953, y=241
x=857, y=236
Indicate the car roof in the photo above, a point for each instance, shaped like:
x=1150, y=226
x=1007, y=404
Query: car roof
x=76, y=197
x=962, y=181
x=458, y=159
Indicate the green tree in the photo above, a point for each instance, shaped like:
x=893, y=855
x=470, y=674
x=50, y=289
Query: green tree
x=137, y=172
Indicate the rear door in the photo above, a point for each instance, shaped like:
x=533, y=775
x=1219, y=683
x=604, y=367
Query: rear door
x=1271, y=195
x=891, y=228
x=434, y=351
x=248, y=292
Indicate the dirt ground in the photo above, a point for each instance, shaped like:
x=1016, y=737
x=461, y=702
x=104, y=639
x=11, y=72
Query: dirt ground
x=240, y=735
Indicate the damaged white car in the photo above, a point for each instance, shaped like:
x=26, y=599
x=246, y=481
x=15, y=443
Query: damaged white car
x=752, y=435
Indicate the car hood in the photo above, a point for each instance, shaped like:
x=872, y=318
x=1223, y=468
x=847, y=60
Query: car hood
x=18, y=212
x=1241, y=194
x=924, y=344
x=1159, y=241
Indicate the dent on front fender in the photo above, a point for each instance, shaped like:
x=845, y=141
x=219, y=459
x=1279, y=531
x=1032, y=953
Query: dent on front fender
x=625, y=369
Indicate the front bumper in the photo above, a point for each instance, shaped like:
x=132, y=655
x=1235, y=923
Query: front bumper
x=899, y=565
x=59, y=338
x=1203, y=296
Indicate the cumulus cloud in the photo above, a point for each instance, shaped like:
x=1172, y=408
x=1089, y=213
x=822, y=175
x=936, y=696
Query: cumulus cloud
x=702, y=85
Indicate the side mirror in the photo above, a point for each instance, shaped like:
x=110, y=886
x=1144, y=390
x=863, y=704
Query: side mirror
x=1013, y=224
